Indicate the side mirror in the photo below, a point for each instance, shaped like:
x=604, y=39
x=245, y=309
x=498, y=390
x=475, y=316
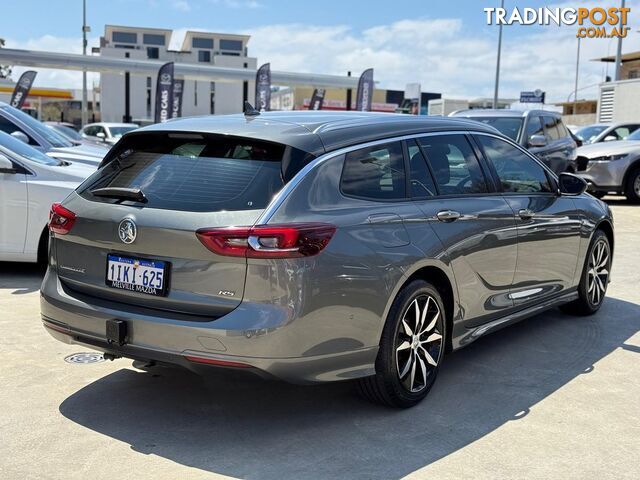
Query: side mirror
x=101, y=135
x=610, y=138
x=537, y=141
x=20, y=136
x=570, y=184
x=6, y=166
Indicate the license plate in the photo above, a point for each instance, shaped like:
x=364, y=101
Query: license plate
x=137, y=275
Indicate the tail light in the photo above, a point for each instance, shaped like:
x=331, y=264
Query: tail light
x=268, y=241
x=61, y=219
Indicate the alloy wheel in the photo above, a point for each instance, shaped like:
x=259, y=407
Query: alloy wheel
x=419, y=343
x=598, y=272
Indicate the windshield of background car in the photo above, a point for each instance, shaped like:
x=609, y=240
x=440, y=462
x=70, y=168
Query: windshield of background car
x=509, y=126
x=589, y=134
x=193, y=172
x=634, y=136
x=18, y=147
x=117, y=132
x=68, y=132
x=49, y=135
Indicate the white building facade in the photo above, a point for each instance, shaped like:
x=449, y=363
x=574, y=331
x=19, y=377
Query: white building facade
x=199, y=97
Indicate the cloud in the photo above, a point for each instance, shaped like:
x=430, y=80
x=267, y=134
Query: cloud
x=445, y=55
x=442, y=54
x=181, y=5
x=238, y=3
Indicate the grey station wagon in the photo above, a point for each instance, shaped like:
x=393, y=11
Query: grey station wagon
x=316, y=247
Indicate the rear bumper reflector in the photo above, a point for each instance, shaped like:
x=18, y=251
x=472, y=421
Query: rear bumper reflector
x=214, y=361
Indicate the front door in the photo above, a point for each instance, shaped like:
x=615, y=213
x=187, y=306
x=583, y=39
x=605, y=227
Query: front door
x=548, y=224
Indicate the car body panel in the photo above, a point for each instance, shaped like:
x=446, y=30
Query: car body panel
x=608, y=175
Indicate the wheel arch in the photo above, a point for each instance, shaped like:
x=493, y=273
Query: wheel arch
x=443, y=281
x=635, y=165
x=606, y=226
x=43, y=246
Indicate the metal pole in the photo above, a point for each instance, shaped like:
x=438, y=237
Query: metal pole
x=84, y=112
x=575, y=90
x=619, y=50
x=495, y=91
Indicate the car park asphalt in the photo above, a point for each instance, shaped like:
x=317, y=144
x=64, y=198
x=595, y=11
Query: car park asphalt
x=551, y=397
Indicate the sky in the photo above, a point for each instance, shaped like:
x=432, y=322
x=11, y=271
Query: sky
x=444, y=45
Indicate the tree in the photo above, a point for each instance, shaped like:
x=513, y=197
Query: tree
x=5, y=70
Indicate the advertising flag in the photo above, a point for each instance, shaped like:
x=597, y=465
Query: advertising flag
x=365, y=91
x=164, y=93
x=317, y=99
x=22, y=88
x=178, y=87
x=263, y=88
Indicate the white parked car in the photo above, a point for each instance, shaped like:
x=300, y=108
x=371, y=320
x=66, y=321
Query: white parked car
x=109, y=133
x=30, y=182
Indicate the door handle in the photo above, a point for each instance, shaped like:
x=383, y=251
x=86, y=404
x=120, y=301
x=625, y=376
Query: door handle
x=526, y=214
x=448, y=215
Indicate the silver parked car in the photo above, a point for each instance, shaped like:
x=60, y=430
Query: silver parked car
x=318, y=247
x=106, y=132
x=612, y=167
x=606, y=132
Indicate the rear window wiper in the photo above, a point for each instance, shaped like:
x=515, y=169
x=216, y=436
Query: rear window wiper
x=121, y=193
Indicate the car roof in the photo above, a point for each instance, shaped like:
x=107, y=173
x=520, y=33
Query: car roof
x=315, y=132
x=502, y=112
x=111, y=124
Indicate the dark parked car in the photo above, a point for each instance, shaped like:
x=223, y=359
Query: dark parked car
x=318, y=247
x=539, y=131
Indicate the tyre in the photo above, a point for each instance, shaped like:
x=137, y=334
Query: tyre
x=632, y=188
x=594, y=279
x=411, y=348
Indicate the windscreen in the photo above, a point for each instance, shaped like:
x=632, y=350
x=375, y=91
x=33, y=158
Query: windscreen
x=18, y=147
x=117, y=132
x=634, y=136
x=54, y=138
x=589, y=134
x=197, y=173
x=509, y=126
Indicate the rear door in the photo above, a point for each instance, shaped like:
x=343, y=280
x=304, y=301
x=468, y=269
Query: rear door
x=548, y=224
x=473, y=222
x=13, y=211
x=190, y=181
x=559, y=153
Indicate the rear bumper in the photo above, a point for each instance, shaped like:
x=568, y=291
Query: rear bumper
x=260, y=338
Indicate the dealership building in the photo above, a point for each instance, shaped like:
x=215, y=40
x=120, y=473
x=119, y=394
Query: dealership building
x=199, y=48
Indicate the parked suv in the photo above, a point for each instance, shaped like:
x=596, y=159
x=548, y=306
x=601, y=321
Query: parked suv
x=317, y=247
x=539, y=131
x=612, y=167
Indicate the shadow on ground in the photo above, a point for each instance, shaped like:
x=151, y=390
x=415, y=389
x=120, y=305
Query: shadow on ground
x=251, y=428
x=21, y=277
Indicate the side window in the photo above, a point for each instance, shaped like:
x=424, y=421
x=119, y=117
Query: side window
x=375, y=172
x=564, y=133
x=421, y=182
x=454, y=165
x=534, y=127
x=550, y=128
x=621, y=133
x=90, y=131
x=518, y=173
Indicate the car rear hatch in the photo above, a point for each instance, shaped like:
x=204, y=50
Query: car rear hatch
x=143, y=208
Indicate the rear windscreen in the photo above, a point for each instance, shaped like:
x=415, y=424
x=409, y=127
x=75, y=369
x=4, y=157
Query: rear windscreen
x=197, y=173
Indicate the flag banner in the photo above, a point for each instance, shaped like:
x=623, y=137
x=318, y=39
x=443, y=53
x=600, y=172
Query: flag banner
x=263, y=88
x=365, y=91
x=22, y=88
x=178, y=87
x=317, y=99
x=164, y=93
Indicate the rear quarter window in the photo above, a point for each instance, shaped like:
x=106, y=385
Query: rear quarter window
x=198, y=173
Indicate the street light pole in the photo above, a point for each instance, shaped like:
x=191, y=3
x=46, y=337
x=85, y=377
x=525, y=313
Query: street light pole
x=575, y=90
x=619, y=50
x=84, y=113
x=495, y=91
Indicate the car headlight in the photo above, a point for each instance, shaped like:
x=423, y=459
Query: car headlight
x=609, y=158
